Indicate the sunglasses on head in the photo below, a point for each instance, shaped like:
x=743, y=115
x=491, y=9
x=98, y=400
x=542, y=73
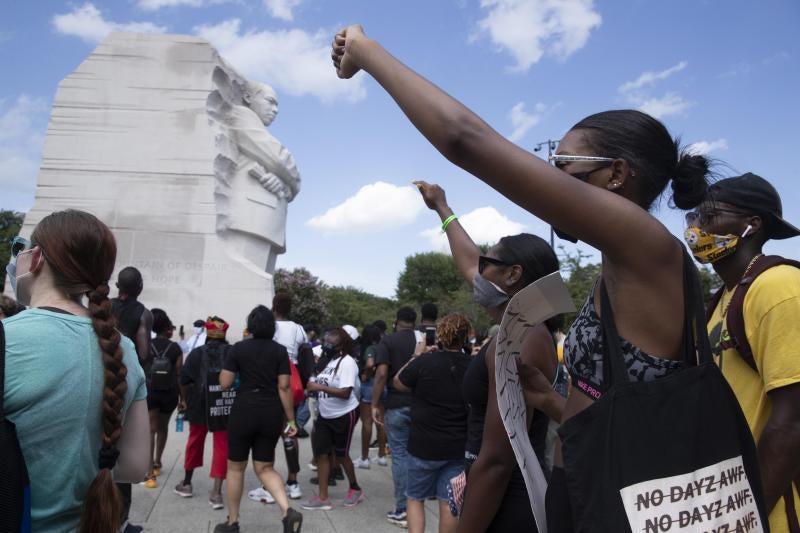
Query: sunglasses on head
x=484, y=261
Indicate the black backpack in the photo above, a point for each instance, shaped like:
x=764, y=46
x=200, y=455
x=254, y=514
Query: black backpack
x=15, y=488
x=162, y=373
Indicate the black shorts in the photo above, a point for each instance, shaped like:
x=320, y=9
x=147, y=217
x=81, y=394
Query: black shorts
x=255, y=426
x=165, y=402
x=334, y=434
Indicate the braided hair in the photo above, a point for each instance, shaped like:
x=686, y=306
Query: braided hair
x=81, y=252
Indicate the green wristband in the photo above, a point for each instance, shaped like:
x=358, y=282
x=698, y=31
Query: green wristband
x=447, y=221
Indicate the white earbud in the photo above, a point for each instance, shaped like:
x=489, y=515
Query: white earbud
x=746, y=231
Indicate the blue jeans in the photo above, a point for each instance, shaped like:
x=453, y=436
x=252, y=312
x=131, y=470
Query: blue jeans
x=398, y=428
x=302, y=414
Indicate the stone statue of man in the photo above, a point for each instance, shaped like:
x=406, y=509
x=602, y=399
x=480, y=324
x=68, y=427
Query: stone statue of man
x=256, y=175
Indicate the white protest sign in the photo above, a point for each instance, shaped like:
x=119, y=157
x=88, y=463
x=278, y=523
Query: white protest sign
x=543, y=299
x=713, y=499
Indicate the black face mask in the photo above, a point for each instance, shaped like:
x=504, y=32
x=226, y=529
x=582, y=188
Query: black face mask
x=564, y=236
x=328, y=349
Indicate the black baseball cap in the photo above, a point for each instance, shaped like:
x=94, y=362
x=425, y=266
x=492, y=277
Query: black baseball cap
x=755, y=194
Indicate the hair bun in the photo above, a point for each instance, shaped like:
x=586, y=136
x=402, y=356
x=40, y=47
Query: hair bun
x=690, y=183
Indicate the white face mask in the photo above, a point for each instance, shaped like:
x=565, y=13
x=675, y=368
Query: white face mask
x=21, y=294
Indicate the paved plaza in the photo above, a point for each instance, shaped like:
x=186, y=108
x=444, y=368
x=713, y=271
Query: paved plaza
x=164, y=511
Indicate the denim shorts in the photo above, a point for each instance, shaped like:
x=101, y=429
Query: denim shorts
x=429, y=479
x=366, y=392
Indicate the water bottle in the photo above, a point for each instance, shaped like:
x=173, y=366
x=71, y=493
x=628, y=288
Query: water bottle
x=179, y=422
x=288, y=444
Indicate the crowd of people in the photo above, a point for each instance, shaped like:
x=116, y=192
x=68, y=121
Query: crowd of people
x=656, y=389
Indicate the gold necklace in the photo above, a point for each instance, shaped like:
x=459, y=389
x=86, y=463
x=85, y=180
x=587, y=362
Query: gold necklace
x=729, y=293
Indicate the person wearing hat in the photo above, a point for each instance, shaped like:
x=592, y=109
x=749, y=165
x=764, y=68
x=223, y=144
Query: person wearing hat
x=754, y=325
x=198, y=338
x=202, y=364
x=163, y=369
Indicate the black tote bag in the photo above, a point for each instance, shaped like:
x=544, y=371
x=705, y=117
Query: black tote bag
x=670, y=455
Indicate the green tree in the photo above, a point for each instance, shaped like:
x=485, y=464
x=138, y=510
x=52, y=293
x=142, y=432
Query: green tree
x=309, y=304
x=348, y=305
x=10, y=224
x=427, y=277
x=580, y=278
x=710, y=282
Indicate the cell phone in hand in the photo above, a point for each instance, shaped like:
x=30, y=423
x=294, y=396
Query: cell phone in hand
x=430, y=337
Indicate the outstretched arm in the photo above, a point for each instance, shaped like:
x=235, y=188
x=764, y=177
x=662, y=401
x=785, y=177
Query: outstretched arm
x=464, y=251
x=593, y=214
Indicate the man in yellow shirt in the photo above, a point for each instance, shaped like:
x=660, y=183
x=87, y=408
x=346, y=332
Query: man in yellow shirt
x=729, y=230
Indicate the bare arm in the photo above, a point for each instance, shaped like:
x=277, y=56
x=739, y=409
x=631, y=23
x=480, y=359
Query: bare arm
x=226, y=379
x=285, y=393
x=381, y=375
x=465, y=253
x=593, y=214
x=142, y=340
x=134, y=445
x=344, y=393
x=489, y=476
x=779, y=444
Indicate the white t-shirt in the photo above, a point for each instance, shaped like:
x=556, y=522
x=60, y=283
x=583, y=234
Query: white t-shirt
x=346, y=376
x=291, y=335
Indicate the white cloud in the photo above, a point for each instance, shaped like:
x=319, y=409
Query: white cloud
x=706, y=147
x=293, y=61
x=155, y=5
x=281, y=9
x=522, y=121
x=669, y=104
x=375, y=207
x=530, y=29
x=21, y=141
x=649, y=77
x=485, y=225
x=88, y=23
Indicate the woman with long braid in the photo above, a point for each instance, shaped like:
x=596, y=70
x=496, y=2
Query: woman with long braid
x=71, y=378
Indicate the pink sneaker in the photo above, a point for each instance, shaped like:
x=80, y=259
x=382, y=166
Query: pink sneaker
x=354, y=497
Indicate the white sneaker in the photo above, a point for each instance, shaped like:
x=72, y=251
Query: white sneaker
x=261, y=495
x=362, y=463
x=312, y=467
x=293, y=491
x=380, y=460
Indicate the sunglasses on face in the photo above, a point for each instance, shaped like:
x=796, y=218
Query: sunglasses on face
x=559, y=160
x=705, y=216
x=19, y=245
x=484, y=261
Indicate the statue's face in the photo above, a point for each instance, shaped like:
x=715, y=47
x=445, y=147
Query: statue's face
x=264, y=102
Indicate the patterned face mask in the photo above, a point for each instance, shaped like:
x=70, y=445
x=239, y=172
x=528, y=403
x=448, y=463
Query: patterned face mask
x=709, y=247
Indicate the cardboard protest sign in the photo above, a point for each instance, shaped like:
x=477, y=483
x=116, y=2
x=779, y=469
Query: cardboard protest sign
x=531, y=306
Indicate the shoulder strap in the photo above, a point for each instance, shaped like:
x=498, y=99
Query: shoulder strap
x=2, y=368
x=714, y=302
x=696, y=347
x=735, y=319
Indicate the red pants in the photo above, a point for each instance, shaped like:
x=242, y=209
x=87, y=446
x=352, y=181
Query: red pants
x=196, y=444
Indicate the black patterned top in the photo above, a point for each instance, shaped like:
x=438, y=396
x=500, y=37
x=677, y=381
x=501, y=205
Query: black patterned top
x=583, y=355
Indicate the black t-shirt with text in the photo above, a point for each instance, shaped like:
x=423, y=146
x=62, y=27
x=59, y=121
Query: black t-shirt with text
x=259, y=362
x=395, y=350
x=438, y=410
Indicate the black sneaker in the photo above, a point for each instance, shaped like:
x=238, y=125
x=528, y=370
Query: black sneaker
x=302, y=434
x=338, y=474
x=315, y=481
x=130, y=528
x=292, y=521
x=373, y=445
x=225, y=527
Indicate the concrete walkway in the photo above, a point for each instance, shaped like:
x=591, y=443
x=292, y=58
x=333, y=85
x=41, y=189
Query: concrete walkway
x=162, y=510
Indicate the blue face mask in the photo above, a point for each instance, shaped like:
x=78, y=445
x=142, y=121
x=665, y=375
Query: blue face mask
x=13, y=279
x=487, y=294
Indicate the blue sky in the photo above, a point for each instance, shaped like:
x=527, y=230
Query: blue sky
x=723, y=74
